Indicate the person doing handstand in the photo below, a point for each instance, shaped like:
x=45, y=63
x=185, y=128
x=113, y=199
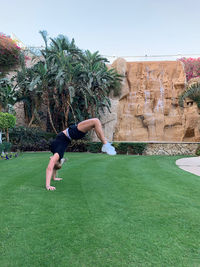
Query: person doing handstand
x=60, y=143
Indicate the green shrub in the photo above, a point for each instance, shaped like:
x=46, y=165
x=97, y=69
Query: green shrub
x=25, y=134
x=138, y=148
x=7, y=121
x=77, y=146
x=121, y=148
x=129, y=148
x=1, y=148
x=94, y=147
x=41, y=145
x=30, y=139
x=198, y=151
x=5, y=147
x=33, y=139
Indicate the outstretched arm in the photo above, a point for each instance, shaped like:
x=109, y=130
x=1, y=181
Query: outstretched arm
x=49, y=171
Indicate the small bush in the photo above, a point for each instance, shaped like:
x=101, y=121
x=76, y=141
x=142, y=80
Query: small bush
x=1, y=148
x=7, y=121
x=198, y=151
x=94, y=147
x=121, y=148
x=5, y=147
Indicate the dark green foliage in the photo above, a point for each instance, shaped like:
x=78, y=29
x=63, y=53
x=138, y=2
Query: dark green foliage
x=5, y=147
x=7, y=95
x=94, y=147
x=1, y=148
x=40, y=145
x=33, y=139
x=198, y=151
x=130, y=148
x=73, y=84
x=28, y=134
x=121, y=148
x=77, y=146
x=30, y=139
x=192, y=92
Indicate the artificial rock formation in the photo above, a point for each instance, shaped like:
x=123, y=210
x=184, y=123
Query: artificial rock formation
x=148, y=108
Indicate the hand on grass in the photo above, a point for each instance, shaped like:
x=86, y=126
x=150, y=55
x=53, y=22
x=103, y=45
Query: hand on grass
x=51, y=188
x=57, y=179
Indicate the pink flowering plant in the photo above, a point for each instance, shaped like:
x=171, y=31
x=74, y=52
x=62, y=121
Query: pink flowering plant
x=9, y=52
x=192, y=67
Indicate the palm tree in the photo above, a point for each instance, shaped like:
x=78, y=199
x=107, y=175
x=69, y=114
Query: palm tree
x=73, y=84
x=45, y=82
x=192, y=91
x=61, y=58
x=95, y=82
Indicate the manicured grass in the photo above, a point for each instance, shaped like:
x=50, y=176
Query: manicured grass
x=108, y=211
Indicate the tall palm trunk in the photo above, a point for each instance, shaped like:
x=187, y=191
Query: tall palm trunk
x=46, y=101
x=32, y=119
x=35, y=113
x=7, y=135
x=26, y=114
x=50, y=116
x=66, y=111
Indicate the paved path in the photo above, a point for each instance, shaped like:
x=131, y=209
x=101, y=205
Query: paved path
x=190, y=164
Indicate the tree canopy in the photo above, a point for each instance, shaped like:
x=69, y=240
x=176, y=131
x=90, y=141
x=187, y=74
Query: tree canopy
x=72, y=84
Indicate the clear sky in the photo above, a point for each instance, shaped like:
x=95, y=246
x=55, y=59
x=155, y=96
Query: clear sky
x=112, y=27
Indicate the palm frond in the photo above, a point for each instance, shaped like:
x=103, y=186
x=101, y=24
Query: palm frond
x=44, y=36
x=193, y=93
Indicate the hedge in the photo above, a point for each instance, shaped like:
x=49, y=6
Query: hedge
x=33, y=139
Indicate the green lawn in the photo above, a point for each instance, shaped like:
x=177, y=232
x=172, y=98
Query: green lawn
x=108, y=211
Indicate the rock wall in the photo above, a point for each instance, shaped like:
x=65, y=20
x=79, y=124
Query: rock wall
x=148, y=108
x=171, y=149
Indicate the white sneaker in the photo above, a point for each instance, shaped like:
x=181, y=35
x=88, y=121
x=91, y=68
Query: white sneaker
x=109, y=149
x=63, y=160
